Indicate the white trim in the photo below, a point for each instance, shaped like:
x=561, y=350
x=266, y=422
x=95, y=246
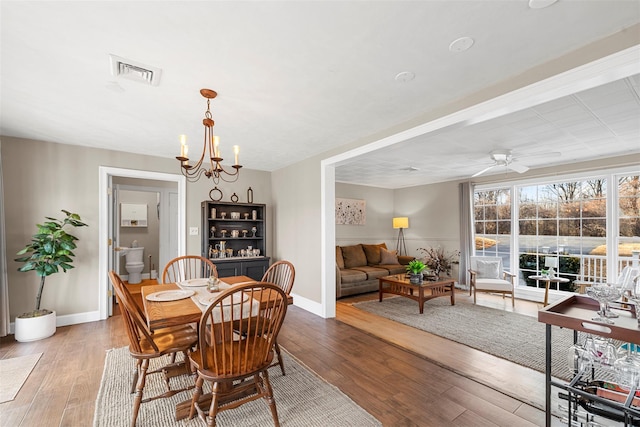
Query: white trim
x=103, y=249
x=327, y=239
x=309, y=305
x=596, y=73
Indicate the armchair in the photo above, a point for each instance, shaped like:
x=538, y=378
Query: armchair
x=487, y=275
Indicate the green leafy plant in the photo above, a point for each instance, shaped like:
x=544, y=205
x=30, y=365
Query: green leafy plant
x=49, y=251
x=415, y=266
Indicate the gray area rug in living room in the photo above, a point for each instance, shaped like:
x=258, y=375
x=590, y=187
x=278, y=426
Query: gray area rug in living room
x=302, y=399
x=514, y=337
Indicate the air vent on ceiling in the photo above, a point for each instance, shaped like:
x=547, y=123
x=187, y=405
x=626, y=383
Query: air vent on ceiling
x=136, y=71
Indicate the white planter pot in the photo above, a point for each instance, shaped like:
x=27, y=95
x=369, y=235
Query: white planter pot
x=35, y=328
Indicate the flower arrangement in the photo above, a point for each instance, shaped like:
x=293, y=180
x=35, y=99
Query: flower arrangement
x=438, y=260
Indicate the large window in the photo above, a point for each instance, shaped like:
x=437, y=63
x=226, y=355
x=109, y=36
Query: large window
x=573, y=221
x=492, y=215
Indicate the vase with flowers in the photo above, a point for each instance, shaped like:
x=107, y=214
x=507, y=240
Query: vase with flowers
x=438, y=260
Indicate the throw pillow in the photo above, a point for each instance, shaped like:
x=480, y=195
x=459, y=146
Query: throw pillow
x=353, y=256
x=488, y=269
x=388, y=257
x=339, y=259
x=373, y=253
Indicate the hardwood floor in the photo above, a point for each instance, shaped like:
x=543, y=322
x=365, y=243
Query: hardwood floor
x=390, y=377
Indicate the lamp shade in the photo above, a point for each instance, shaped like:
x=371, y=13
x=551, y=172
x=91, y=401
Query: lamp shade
x=551, y=262
x=401, y=222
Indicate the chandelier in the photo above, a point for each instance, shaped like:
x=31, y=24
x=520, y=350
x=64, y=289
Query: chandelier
x=215, y=171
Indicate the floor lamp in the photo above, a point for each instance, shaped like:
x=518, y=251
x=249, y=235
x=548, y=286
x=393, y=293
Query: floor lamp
x=401, y=222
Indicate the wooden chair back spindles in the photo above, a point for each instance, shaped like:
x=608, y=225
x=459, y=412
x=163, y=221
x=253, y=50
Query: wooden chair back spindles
x=188, y=267
x=235, y=349
x=145, y=345
x=283, y=274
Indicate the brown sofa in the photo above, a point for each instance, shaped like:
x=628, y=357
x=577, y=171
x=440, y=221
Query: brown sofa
x=358, y=267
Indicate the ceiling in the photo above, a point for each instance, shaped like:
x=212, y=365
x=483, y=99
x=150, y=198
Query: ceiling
x=299, y=78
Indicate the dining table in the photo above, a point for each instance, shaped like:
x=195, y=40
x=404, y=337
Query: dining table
x=163, y=314
x=175, y=312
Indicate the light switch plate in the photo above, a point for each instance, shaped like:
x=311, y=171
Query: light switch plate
x=193, y=231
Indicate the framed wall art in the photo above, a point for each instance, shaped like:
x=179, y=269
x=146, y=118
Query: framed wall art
x=351, y=211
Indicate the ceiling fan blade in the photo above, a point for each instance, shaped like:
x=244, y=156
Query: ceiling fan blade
x=483, y=171
x=517, y=167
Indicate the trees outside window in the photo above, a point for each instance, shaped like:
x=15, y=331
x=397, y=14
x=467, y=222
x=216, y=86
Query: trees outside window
x=566, y=219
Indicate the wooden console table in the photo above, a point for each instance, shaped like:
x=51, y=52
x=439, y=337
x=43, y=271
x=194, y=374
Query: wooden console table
x=399, y=284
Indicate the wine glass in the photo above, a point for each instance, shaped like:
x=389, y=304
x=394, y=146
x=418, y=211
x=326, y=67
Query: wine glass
x=603, y=293
x=627, y=367
x=634, y=295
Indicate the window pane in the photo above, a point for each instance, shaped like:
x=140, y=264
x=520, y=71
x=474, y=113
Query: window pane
x=569, y=227
x=504, y=227
x=528, y=228
x=570, y=209
x=490, y=212
x=547, y=227
x=548, y=209
x=478, y=212
x=528, y=210
x=594, y=227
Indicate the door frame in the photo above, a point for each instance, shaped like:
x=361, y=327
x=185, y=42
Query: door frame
x=105, y=176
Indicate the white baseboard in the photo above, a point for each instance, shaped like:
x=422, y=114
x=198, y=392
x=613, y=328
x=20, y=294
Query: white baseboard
x=69, y=319
x=307, y=304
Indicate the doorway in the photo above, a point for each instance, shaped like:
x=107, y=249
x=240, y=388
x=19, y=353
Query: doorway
x=174, y=202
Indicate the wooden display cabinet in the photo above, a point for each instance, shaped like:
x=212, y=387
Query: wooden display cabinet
x=236, y=227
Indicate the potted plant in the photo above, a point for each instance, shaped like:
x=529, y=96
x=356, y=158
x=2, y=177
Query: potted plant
x=415, y=269
x=49, y=251
x=438, y=260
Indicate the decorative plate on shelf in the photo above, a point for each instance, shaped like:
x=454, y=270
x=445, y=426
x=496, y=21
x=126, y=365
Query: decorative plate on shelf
x=169, y=295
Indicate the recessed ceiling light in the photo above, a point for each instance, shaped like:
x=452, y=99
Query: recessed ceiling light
x=461, y=44
x=405, y=76
x=539, y=4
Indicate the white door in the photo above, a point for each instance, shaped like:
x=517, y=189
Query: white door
x=113, y=258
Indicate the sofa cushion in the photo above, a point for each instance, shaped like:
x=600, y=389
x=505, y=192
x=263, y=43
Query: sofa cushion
x=388, y=257
x=339, y=260
x=373, y=272
x=352, y=276
x=394, y=268
x=373, y=253
x=353, y=256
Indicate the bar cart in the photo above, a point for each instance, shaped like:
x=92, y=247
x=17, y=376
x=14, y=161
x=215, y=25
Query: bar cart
x=576, y=312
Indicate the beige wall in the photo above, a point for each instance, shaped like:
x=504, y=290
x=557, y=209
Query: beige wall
x=297, y=223
x=380, y=211
x=61, y=176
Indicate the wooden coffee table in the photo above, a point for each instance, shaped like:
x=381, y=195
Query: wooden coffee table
x=399, y=285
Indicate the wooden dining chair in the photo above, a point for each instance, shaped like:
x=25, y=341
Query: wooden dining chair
x=188, y=267
x=145, y=345
x=281, y=273
x=235, y=349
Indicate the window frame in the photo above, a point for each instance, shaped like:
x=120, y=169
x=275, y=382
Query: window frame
x=612, y=175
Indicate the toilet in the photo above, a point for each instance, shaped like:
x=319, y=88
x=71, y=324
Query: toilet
x=134, y=264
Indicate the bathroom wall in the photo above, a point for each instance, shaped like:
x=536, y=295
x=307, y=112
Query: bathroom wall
x=147, y=237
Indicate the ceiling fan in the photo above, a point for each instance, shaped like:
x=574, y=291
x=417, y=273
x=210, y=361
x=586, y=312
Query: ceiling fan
x=503, y=158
